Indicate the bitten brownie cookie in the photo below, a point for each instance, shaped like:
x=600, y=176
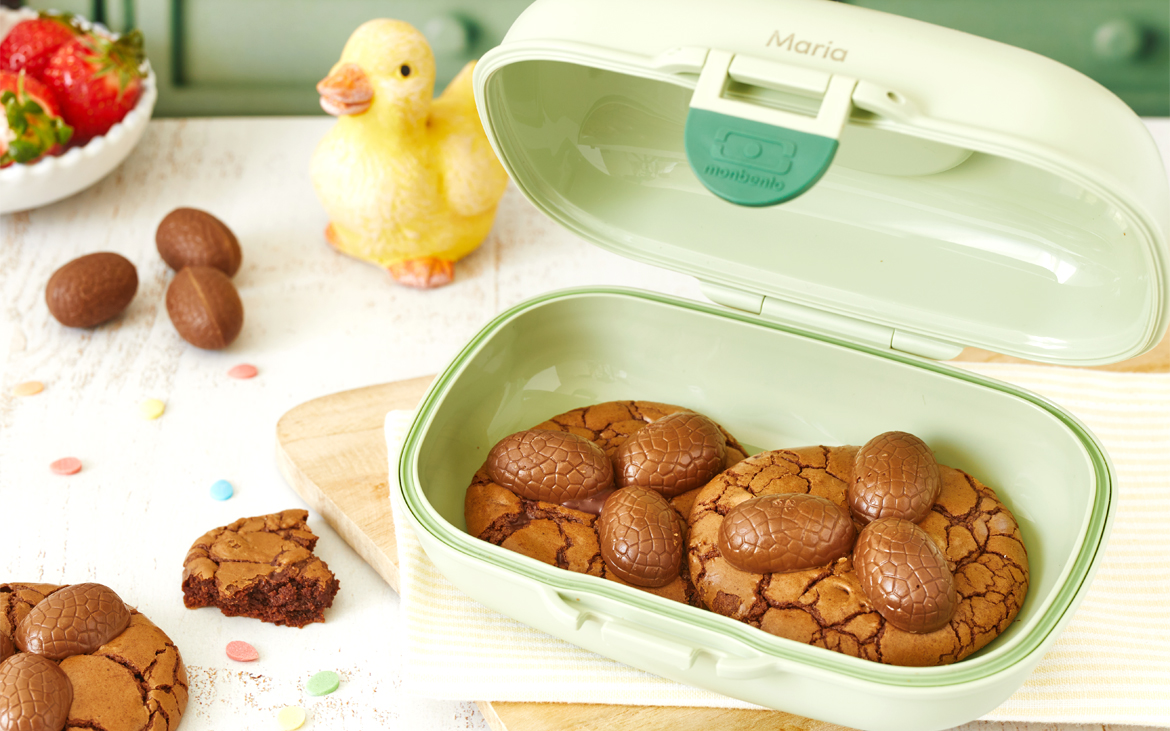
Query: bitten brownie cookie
x=567, y=537
x=83, y=659
x=827, y=606
x=260, y=567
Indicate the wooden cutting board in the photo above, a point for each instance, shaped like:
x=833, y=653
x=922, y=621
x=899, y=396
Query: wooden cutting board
x=331, y=451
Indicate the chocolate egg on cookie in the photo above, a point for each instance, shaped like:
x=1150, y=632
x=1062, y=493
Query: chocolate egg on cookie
x=786, y=532
x=895, y=475
x=904, y=575
x=672, y=455
x=552, y=466
x=35, y=694
x=641, y=537
x=73, y=621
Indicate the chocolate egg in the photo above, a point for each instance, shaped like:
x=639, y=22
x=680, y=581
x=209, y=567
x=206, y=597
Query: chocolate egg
x=205, y=307
x=191, y=237
x=895, y=475
x=672, y=455
x=641, y=537
x=6, y=647
x=35, y=694
x=553, y=466
x=787, y=532
x=91, y=289
x=73, y=621
x=904, y=575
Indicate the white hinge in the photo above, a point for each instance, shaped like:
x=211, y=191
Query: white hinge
x=830, y=323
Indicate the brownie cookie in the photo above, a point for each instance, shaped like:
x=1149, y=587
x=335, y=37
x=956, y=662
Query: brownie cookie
x=826, y=606
x=133, y=680
x=261, y=567
x=562, y=536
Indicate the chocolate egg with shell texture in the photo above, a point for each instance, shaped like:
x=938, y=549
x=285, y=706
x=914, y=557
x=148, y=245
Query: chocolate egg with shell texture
x=553, y=466
x=35, y=694
x=73, y=621
x=91, y=289
x=904, y=575
x=641, y=537
x=785, y=532
x=205, y=307
x=895, y=475
x=191, y=237
x=672, y=455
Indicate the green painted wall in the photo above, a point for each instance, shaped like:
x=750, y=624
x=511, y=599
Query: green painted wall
x=232, y=57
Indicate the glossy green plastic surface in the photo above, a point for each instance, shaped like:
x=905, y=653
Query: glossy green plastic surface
x=772, y=388
x=987, y=251
x=754, y=164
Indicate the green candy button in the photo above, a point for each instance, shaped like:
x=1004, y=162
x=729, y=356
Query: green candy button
x=751, y=163
x=323, y=683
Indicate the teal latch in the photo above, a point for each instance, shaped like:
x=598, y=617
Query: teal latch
x=757, y=156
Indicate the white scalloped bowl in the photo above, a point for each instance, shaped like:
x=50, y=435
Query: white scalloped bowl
x=52, y=178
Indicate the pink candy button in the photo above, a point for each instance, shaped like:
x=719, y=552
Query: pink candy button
x=243, y=370
x=66, y=466
x=241, y=651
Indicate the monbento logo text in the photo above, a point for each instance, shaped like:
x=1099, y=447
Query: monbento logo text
x=807, y=48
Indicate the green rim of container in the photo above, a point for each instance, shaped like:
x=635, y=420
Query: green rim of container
x=816, y=659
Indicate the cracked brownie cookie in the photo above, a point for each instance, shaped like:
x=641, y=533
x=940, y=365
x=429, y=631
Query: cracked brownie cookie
x=569, y=537
x=83, y=659
x=827, y=606
x=260, y=567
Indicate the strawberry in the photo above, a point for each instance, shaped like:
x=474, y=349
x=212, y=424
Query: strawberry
x=32, y=126
x=97, y=80
x=31, y=43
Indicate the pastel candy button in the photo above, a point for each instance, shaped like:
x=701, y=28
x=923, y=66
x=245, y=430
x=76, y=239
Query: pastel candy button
x=222, y=490
x=66, y=466
x=291, y=718
x=241, y=651
x=28, y=388
x=152, y=408
x=243, y=370
x=323, y=683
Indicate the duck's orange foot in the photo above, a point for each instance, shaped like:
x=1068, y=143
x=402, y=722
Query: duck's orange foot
x=331, y=237
x=427, y=272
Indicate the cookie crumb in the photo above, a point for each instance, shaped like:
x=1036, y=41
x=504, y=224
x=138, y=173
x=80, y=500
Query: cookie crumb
x=291, y=718
x=243, y=370
x=241, y=651
x=152, y=408
x=28, y=388
x=66, y=466
x=323, y=683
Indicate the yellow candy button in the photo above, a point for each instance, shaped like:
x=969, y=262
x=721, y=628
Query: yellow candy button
x=152, y=408
x=291, y=718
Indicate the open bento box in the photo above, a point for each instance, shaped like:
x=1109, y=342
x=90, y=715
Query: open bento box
x=957, y=192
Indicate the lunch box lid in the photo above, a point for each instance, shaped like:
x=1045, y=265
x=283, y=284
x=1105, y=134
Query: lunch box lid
x=848, y=172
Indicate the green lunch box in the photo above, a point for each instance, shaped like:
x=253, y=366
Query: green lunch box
x=861, y=195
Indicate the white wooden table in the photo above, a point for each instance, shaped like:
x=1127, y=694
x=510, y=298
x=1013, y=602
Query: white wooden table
x=316, y=323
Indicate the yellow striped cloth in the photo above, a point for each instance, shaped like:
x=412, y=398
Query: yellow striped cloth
x=1110, y=665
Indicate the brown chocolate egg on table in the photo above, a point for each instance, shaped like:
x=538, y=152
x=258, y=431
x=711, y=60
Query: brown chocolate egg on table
x=552, y=466
x=672, y=455
x=35, y=694
x=641, y=537
x=786, y=532
x=191, y=237
x=73, y=621
x=205, y=307
x=91, y=289
x=904, y=575
x=895, y=475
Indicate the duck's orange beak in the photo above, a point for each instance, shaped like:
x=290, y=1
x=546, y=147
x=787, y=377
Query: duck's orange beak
x=346, y=91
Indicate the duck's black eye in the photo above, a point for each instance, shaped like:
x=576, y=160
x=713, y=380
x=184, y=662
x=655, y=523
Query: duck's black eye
x=405, y=70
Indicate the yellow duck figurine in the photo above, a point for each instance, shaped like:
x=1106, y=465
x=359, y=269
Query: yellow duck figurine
x=409, y=183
